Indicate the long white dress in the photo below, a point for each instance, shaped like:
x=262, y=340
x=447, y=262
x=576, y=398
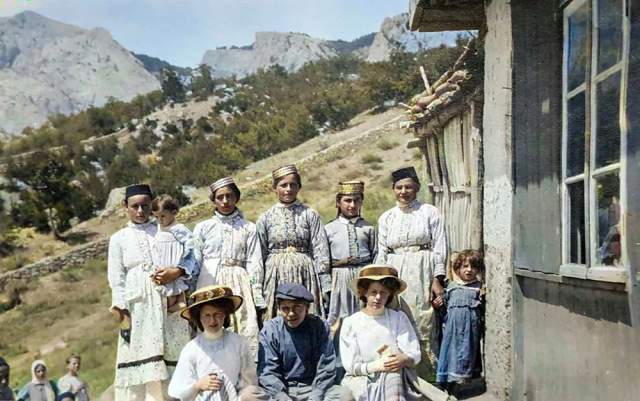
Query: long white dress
x=141, y=366
x=229, y=253
x=228, y=356
x=363, y=335
x=413, y=241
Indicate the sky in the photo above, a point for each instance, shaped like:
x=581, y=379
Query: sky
x=179, y=31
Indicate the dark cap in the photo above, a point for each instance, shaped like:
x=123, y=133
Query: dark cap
x=406, y=172
x=137, y=189
x=293, y=291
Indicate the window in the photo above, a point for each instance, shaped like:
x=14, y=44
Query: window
x=594, y=89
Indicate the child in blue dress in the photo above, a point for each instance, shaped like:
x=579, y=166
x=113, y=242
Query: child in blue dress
x=459, y=359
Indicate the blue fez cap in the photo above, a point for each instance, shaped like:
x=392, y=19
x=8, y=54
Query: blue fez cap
x=293, y=291
x=137, y=189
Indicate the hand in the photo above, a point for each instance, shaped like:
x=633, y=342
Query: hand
x=437, y=288
x=437, y=302
x=164, y=275
x=209, y=382
x=395, y=362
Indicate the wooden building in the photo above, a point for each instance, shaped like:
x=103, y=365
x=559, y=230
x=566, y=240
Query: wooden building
x=559, y=178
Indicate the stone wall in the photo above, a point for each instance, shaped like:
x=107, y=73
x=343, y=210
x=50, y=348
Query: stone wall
x=498, y=199
x=78, y=256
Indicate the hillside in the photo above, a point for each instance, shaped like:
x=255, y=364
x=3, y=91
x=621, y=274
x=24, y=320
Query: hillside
x=67, y=311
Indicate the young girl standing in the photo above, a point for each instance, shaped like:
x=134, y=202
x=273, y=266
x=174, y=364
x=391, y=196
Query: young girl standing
x=459, y=359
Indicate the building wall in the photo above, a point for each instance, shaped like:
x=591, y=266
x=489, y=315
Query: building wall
x=576, y=342
x=498, y=198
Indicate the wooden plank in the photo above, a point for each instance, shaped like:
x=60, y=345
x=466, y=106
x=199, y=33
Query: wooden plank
x=537, y=129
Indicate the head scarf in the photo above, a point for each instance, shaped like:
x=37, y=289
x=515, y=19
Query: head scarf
x=51, y=396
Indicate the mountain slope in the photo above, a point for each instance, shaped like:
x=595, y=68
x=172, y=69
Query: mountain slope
x=48, y=67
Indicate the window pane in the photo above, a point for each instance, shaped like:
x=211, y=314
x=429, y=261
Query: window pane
x=577, y=251
x=577, y=47
x=609, y=251
x=608, y=123
x=575, y=134
x=609, y=33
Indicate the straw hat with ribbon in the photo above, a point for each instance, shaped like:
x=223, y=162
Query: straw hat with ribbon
x=377, y=273
x=208, y=294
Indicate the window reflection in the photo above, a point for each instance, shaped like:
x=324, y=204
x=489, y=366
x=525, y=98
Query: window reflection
x=577, y=251
x=609, y=250
x=577, y=57
x=609, y=33
x=575, y=133
x=608, y=125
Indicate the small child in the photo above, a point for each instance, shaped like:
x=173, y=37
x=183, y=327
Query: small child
x=70, y=386
x=460, y=359
x=173, y=244
x=6, y=394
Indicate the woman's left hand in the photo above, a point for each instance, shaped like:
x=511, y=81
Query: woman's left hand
x=395, y=362
x=166, y=275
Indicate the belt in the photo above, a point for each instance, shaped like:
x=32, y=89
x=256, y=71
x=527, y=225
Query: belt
x=350, y=261
x=412, y=248
x=233, y=262
x=289, y=249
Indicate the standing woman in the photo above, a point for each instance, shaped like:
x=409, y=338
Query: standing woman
x=141, y=368
x=411, y=238
x=293, y=243
x=353, y=244
x=229, y=255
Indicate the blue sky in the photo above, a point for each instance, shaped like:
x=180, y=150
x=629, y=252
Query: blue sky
x=180, y=31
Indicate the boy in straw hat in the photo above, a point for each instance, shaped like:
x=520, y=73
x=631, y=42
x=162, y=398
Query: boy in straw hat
x=218, y=364
x=296, y=359
x=353, y=244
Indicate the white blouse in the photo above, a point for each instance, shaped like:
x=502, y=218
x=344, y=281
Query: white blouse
x=229, y=355
x=363, y=335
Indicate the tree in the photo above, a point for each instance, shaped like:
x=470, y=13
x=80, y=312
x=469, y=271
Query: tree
x=202, y=85
x=172, y=88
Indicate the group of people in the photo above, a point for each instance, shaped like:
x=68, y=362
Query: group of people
x=69, y=387
x=301, y=299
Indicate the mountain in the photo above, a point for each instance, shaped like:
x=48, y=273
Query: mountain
x=48, y=67
x=155, y=66
x=292, y=50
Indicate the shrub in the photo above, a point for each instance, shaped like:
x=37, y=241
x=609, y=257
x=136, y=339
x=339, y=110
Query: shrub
x=386, y=145
x=370, y=158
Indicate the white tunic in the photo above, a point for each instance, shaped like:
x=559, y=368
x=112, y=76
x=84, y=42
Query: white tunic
x=413, y=241
x=229, y=355
x=74, y=385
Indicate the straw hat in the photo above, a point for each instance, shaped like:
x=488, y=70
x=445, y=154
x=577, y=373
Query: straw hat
x=377, y=273
x=208, y=294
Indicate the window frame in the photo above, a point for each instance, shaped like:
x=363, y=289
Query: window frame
x=589, y=175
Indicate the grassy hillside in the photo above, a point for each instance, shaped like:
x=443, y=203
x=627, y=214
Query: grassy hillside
x=67, y=312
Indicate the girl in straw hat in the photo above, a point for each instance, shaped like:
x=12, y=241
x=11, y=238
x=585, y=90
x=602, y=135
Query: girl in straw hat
x=294, y=244
x=218, y=364
x=378, y=345
x=229, y=254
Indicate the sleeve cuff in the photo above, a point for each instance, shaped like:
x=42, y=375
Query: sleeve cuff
x=439, y=270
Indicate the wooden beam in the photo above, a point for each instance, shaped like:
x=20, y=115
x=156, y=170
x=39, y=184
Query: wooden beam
x=425, y=18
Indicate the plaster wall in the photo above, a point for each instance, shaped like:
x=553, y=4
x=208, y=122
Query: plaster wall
x=498, y=199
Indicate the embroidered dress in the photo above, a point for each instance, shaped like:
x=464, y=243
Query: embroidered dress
x=228, y=356
x=353, y=244
x=172, y=245
x=142, y=360
x=229, y=254
x=361, y=337
x=412, y=240
x=294, y=250
x=460, y=351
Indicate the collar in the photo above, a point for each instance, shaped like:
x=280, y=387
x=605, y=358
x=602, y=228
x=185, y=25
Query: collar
x=227, y=217
x=414, y=205
x=289, y=205
x=346, y=220
x=142, y=226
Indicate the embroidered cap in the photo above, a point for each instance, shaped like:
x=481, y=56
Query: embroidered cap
x=350, y=187
x=284, y=170
x=211, y=293
x=377, y=273
x=405, y=172
x=137, y=189
x=293, y=291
